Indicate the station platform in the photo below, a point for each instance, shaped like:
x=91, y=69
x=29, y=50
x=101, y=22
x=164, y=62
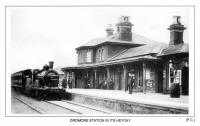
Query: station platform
x=136, y=103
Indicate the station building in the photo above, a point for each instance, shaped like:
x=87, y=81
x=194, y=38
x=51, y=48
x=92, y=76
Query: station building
x=175, y=59
x=122, y=54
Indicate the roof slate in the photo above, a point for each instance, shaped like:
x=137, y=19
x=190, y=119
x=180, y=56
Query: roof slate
x=136, y=40
x=106, y=63
x=139, y=51
x=175, y=49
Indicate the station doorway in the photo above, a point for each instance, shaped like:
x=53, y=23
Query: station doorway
x=185, y=80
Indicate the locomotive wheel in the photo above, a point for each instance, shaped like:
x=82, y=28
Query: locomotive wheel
x=27, y=86
x=31, y=93
x=17, y=89
x=60, y=96
x=36, y=94
x=43, y=95
x=39, y=95
x=27, y=93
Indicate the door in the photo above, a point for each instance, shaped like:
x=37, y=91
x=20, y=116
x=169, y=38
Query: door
x=75, y=81
x=160, y=81
x=119, y=80
x=185, y=81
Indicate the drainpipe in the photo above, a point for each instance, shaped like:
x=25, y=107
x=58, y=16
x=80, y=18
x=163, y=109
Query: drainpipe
x=144, y=77
x=108, y=76
x=95, y=78
x=125, y=77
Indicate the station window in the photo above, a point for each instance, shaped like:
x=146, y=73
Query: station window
x=99, y=54
x=102, y=56
x=89, y=56
x=79, y=56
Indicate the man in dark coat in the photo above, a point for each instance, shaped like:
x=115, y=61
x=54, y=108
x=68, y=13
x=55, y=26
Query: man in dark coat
x=70, y=82
x=111, y=84
x=64, y=83
x=131, y=82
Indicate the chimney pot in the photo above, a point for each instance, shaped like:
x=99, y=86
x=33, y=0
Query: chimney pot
x=124, y=29
x=109, y=30
x=176, y=19
x=176, y=31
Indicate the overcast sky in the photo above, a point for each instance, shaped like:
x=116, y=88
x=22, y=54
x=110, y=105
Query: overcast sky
x=41, y=34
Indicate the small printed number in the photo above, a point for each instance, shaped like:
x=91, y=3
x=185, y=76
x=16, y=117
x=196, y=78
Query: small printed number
x=190, y=119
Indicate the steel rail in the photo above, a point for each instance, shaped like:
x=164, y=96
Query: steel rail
x=40, y=112
x=86, y=107
x=62, y=107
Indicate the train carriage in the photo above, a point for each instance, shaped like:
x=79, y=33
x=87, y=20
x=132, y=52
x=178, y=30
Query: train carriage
x=18, y=79
x=38, y=83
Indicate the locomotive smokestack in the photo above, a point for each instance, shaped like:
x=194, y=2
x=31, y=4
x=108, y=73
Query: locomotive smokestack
x=51, y=64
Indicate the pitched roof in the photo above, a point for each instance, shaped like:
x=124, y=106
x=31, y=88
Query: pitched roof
x=127, y=55
x=136, y=40
x=140, y=51
x=175, y=49
x=106, y=63
x=133, y=53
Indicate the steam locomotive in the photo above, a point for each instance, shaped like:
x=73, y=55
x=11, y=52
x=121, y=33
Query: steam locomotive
x=41, y=84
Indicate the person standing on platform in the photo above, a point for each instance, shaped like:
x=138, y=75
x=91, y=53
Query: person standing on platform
x=88, y=84
x=64, y=83
x=131, y=82
x=111, y=84
x=69, y=82
x=105, y=84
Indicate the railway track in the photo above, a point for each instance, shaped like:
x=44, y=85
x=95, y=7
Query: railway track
x=56, y=104
x=85, y=106
x=57, y=107
x=30, y=106
x=78, y=108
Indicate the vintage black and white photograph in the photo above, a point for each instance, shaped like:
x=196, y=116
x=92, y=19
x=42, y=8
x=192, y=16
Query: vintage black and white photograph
x=100, y=60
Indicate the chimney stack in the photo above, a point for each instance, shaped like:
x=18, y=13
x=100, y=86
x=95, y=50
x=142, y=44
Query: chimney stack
x=176, y=31
x=109, y=30
x=51, y=64
x=124, y=29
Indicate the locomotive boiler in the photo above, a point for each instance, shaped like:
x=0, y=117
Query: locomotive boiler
x=41, y=84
